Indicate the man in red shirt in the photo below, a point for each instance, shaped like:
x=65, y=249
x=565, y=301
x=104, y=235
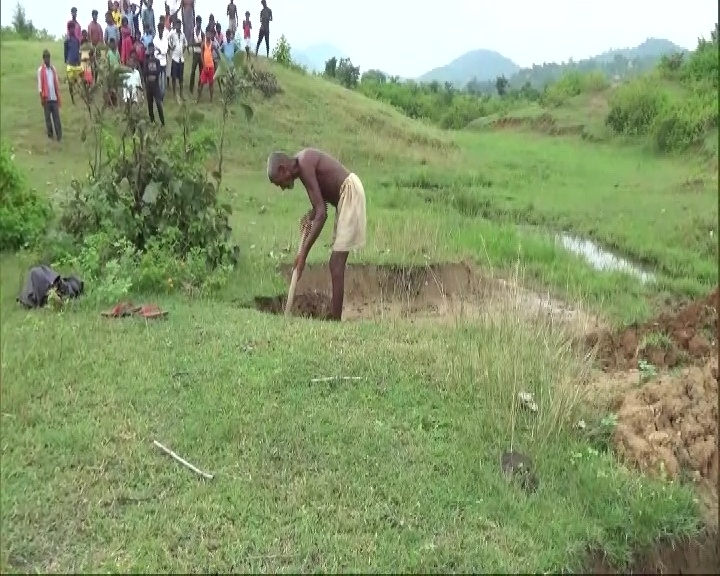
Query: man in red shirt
x=78, y=28
x=95, y=31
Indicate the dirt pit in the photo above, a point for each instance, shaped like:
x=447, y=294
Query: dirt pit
x=700, y=555
x=671, y=339
x=433, y=292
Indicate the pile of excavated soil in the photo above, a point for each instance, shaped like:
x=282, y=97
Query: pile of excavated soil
x=670, y=424
x=688, y=334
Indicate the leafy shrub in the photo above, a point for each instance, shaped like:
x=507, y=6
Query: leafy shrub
x=23, y=213
x=685, y=123
x=282, y=54
x=572, y=84
x=703, y=64
x=149, y=216
x=342, y=71
x=634, y=107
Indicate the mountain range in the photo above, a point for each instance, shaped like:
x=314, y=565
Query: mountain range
x=482, y=65
x=486, y=65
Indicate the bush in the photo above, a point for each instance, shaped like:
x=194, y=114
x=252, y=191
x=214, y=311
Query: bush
x=149, y=216
x=23, y=213
x=572, y=84
x=680, y=126
x=703, y=64
x=282, y=54
x=634, y=107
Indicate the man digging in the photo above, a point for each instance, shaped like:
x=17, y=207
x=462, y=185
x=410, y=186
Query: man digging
x=327, y=182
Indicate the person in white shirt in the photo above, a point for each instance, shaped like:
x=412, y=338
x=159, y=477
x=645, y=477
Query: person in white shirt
x=132, y=81
x=161, y=52
x=178, y=46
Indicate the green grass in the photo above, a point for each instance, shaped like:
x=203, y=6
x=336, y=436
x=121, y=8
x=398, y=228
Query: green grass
x=396, y=472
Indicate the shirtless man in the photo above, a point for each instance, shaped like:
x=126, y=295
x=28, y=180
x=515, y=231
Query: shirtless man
x=327, y=182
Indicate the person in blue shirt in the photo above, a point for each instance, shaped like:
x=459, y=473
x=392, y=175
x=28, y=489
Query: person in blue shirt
x=229, y=48
x=111, y=30
x=147, y=37
x=148, y=17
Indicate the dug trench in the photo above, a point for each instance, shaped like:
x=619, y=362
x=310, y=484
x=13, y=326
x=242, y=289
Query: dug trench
x=667, y=421
x=430, y=292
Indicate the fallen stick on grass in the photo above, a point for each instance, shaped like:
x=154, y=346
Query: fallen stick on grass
x=183, y=461
x=335, y=378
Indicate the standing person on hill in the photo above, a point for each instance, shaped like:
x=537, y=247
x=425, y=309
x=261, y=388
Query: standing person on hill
x=232, y=17
x=95, y=31
x=207, y=75
x=188, y=19
x=198, y=38
x=152, y=85
x=49, y=89
x=126, y=12
x=161, y=52
x=112, y=32
x=117, y=14
x=265, y=19
x=71, y=49
x=219, y=38
x=76, y=24
x=126, y=42
x=148, y=16
x=178, y=46
x=247, y=35
x=326, y=181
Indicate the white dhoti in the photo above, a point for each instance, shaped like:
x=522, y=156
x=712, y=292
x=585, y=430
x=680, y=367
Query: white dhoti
x=350, y=222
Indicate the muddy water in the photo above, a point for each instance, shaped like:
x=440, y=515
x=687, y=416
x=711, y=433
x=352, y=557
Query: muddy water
x=602, y=259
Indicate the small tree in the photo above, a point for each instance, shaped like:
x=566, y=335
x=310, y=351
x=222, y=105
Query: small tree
x=22, y=26
x=501, y=85
x=331, y=68
x=149, y=202
x=347, y=74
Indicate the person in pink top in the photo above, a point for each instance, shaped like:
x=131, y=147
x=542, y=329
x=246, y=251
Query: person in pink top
x=78, y=28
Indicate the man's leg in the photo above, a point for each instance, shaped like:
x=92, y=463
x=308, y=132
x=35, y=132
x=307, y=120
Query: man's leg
x=260, y=37
x=161, y=112
x=267, y=43
x=211, y=88
x=181, y=80
x=195, y=64
x=55, y=112
x=48, y=120
x=338, y=261
x=173, y=75
x=150, y=100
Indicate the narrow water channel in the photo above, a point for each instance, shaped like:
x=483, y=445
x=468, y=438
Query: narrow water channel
x=602, y=259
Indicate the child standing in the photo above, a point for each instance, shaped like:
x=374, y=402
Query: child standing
x=126, y=43
x=112, y=32
x=207, y=75
x=152, y=85
x=247, y=31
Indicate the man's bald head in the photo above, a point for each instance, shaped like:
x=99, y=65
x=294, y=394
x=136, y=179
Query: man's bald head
x=282, y=170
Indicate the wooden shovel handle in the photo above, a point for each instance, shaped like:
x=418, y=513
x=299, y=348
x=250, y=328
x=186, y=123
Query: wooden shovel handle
x=304, y=229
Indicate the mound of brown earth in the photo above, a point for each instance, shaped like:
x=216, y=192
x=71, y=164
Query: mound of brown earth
x=690, y=333
x=670, y=424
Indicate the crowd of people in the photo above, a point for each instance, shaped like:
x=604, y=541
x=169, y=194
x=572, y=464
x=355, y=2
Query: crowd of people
x=135, y=39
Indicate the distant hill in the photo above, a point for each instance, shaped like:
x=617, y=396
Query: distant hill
x=651, y=48
x=484, y=66
x=314, y=57
x=480, y=64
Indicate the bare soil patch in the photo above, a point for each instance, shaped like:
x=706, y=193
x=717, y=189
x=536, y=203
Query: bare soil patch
x=432, y=292
x=685, y=335
x=699, y=555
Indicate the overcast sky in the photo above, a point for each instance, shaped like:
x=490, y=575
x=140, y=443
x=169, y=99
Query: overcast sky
x=408, y=37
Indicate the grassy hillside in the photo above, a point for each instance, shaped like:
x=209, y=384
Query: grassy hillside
x=397, y=467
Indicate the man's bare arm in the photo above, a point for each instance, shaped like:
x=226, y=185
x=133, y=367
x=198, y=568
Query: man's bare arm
x=319, y=209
